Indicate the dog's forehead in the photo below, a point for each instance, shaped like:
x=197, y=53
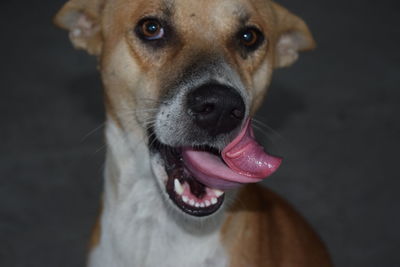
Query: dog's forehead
x=211, y=10
x=202, y=8
x=213, y=13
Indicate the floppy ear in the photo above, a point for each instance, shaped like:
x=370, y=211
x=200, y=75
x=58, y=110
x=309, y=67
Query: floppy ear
x=293, y=37
x=82, y=19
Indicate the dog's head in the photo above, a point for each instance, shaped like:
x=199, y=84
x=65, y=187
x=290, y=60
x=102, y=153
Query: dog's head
x=187, y=74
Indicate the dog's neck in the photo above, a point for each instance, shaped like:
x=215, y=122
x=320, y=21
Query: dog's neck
x=138, y=228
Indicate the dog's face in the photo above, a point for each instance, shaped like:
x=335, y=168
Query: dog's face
x=185, y=73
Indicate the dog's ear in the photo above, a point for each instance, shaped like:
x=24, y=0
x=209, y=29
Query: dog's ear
x=293, y=37
x=82, y=18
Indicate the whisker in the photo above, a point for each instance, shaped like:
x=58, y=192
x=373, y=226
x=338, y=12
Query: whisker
x=262, y=132
x=266, y=127
x=136, y=111
x=93, y=131
x=274, y=139
x=100, y=149
x=150, y=100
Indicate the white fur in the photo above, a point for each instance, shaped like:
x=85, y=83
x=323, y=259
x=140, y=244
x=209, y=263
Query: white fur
x=139, y=226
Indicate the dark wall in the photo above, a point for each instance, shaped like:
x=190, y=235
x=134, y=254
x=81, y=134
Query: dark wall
x=334, y=117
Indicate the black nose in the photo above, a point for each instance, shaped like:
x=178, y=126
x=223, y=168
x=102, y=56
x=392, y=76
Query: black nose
x=216, y=108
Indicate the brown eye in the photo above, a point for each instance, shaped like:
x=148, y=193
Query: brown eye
x=250, y=38
x=150, y=29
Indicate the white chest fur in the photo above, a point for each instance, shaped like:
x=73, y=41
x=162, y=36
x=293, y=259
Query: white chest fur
x=138, y=225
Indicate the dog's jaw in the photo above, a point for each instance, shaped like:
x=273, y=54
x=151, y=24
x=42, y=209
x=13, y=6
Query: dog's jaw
x=185, y=203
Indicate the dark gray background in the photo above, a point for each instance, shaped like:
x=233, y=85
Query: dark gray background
x=335, y=116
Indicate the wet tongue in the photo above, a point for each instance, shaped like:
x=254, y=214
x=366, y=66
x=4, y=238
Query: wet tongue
x=245, y=162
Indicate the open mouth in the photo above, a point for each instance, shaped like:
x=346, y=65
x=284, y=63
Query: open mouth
x=198, y=177
x=190, y=195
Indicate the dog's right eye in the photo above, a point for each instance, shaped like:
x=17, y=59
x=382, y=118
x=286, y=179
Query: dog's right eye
x=150, y=29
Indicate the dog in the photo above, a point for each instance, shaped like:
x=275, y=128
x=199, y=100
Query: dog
x=182, y=81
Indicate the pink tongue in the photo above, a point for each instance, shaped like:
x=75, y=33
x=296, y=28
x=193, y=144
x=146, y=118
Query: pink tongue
x=245, y=162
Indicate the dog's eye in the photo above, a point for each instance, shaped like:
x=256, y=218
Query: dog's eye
x=150, y=29
x=250, y=38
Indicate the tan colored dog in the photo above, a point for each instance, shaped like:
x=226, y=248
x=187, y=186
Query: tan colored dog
x=181, y=77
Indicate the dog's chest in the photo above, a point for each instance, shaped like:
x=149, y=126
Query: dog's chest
x=139, y=231
x=161, y=244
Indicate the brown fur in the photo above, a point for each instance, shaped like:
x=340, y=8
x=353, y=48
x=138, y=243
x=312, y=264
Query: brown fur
x=96, y=229
x=95, y=236
x=261, y=229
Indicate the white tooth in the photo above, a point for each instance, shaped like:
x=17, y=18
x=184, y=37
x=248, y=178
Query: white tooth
x=218, y=193
x=202, y=205
x=207, y=203
x=214, y=200
x=185, y=199
x=178, y=187
x=191, y=202
x=197, y=205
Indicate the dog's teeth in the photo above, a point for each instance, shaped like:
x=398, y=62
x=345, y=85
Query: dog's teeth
x=207, y=203
x=178, y=187
x=218, y=193
x=202, y=205
x=191, y=202
x=214, y=201
x=197, y=205
x=185, y=199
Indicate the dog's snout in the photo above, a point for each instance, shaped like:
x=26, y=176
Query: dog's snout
x=216, y=108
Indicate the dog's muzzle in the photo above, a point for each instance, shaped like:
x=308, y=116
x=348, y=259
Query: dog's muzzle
x=205, y=141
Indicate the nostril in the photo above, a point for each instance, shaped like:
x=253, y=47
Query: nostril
x=237, y=113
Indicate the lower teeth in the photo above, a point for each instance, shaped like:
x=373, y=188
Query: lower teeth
x=179, y=189
x=204, y=204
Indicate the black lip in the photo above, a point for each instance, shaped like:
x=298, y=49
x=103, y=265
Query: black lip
x=174, y=166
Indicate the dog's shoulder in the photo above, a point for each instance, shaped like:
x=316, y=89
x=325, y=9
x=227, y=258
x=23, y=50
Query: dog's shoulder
x=259, y=222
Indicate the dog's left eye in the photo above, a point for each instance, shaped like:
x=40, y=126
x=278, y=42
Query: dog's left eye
x=150, y=29
x=250, y=38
